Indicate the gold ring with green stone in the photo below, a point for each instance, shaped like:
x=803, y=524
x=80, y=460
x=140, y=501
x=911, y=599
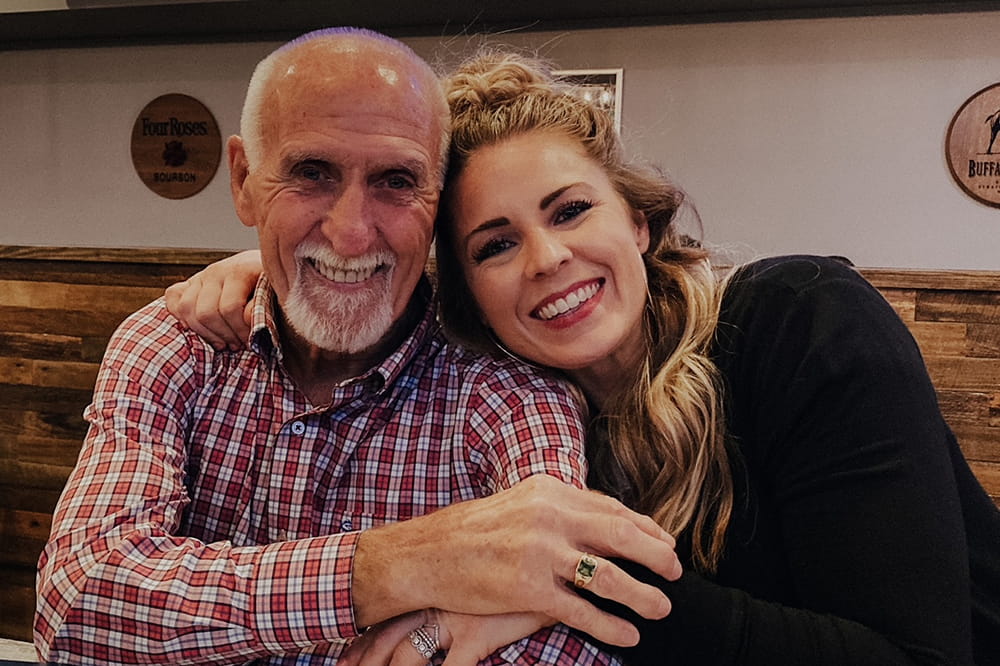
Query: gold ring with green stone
x=586, y=567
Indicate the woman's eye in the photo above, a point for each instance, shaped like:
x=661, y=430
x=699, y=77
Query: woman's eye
x=571, y=210
x=491, y=248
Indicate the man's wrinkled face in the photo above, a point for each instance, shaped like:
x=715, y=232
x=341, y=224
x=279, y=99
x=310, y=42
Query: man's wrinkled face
x=346, y=191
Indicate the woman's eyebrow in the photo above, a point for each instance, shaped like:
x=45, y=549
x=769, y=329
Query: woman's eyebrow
x=549, y=198
x=489, y=224
x=503, y=221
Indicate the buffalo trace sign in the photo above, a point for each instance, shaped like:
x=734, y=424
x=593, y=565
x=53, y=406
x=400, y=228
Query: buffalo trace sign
x=972, y=146
x=176, y=146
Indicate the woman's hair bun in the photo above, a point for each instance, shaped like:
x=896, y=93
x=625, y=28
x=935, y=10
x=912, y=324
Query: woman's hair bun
x=494, y=77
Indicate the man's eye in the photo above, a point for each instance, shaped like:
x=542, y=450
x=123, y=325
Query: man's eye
x=491, y=248
x=310, y=171
x=398, y=181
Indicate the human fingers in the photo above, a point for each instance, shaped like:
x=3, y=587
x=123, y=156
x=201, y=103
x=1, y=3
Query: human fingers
x=576, y=522
x=183, y=300
x=606, y=579
x=573, y=610
x=461, y=656
x=351, y=655
x=591, y=522
x=377, y=646
x=209, y=318
x=469, y=639
x=215, y=301
x=651, y=527
x=248, y=316
x=419, y=647
x=608, y=528
x=173, y=295
x=406, y=654
x=236, y=309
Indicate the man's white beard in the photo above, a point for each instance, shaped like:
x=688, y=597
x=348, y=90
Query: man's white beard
x=342, y=323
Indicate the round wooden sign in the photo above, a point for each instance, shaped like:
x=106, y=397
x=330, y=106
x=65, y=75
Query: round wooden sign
x=176, y=146
x=973, y=146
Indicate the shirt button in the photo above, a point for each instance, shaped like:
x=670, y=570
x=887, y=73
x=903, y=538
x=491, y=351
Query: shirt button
x=298, y=428
x=346, y=525
x=282, y=535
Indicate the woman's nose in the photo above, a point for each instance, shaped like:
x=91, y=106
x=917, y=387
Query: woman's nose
x=545, y=253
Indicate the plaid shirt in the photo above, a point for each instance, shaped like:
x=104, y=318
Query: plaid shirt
x=214, y=513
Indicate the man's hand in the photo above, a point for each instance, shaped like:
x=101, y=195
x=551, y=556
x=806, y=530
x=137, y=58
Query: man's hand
x=216, y=301
x=516, y=551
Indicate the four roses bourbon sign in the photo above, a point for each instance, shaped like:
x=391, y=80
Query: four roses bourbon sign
x=973, y=146
x=176, y=146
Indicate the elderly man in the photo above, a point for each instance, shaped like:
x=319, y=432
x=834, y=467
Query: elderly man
x=270, y=503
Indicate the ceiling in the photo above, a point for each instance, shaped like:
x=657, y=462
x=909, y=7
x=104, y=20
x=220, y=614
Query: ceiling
x=107, y=22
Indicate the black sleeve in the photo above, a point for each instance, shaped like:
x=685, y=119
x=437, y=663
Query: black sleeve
x=845, y=450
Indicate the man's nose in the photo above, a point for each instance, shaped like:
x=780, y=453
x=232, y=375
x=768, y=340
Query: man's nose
x=545, y=252
x=349, y=222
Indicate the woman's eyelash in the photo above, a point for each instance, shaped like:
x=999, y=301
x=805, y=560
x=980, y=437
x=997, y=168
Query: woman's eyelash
x=564, y=213
x=572, y=209
x=490, y=248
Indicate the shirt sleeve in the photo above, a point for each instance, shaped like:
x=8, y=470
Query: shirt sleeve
x=848, y=458
x=535, y=429
x=532, y=429
x=117, y=583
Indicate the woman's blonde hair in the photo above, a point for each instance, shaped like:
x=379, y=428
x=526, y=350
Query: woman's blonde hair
x=667, y=434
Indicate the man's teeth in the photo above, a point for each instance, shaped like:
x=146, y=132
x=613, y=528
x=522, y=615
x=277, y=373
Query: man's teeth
x=341, y=275
x=568, y=302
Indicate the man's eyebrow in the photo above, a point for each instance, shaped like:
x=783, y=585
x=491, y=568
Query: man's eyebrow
x=418, y=168
x=300, y=157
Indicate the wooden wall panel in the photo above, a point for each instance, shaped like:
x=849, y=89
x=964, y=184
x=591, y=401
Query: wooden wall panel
x=58, y=306
x=955, y=318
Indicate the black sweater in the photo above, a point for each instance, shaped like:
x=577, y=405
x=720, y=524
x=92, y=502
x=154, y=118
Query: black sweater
x=860, y=534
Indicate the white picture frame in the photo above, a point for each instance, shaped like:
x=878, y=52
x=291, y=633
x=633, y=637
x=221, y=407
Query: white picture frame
x=604, y=84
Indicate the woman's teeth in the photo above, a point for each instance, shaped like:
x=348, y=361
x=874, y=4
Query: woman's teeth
x=568, y=302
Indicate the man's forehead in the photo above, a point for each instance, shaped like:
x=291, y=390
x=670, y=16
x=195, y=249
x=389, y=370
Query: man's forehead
x=387, y=92
x=358, y=63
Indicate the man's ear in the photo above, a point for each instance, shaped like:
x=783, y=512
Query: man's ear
x=239, y=172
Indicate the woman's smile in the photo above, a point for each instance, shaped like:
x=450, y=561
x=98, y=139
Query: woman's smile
x=578, y=300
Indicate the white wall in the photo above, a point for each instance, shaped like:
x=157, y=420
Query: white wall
x=822, y=136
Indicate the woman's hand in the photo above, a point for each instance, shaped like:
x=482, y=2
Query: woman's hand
x=379, y=643
x=467, y=639
x=216, y=302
